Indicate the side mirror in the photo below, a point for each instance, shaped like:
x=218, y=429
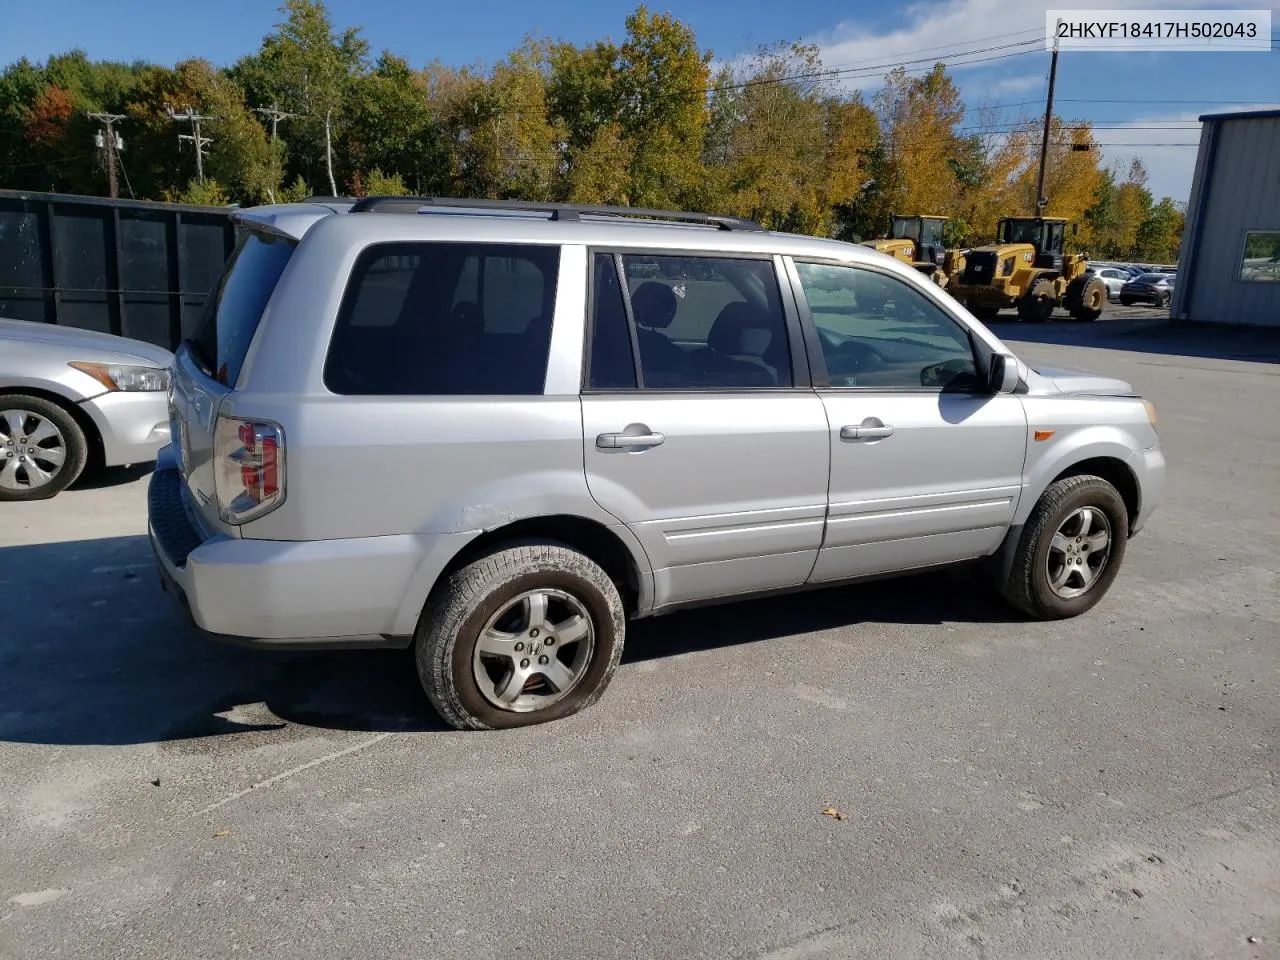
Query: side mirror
x=1002, y=375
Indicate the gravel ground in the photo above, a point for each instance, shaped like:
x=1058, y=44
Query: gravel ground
x=1096, y=788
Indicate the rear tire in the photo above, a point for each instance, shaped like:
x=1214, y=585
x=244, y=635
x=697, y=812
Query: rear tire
x=1056, y=571
x=1163, y=301
x=491, y=654
x=54, y=452
x=985, y=314
x=1037, y=304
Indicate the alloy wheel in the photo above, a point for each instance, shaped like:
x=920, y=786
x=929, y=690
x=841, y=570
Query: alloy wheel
x=1078, y=552
x=534, y=650
x=32, y=450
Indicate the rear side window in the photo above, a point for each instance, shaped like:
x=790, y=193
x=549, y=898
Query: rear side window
x=698, y=323
x=235, y=308
x=445, y=319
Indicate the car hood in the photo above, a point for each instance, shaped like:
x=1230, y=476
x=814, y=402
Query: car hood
x=1069, y=380
x=74, y=339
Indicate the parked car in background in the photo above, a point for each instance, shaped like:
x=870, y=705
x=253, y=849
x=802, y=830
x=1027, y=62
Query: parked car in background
x=71, y=398
x=1113, y=277
x=1153, y=288
x=568, y=417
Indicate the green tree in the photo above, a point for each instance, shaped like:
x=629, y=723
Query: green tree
x=661, y=83
x=391, y=125
x=308, y=67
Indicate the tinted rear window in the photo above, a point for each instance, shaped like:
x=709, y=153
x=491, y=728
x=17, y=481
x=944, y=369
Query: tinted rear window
x=235, y=309
x=445, y=319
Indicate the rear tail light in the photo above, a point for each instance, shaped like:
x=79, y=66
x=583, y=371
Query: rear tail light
x=248, y=468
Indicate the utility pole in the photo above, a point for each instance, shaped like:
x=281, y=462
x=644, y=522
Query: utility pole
x=1041, y=199
x=276, y=115
x=190, y=116
x=107, y=139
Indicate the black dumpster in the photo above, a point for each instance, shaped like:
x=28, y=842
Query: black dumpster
x=128, y=267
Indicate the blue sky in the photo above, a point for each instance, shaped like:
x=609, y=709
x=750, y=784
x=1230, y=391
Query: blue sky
x=1157, y=90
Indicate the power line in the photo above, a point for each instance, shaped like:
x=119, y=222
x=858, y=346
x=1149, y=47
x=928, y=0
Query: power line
x=960, y=43
x=872, y=69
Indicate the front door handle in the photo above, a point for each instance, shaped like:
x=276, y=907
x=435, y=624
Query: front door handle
x=866, y=431
x=617, y=441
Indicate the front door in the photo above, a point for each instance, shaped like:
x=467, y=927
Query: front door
x=926, y=465
x=695, y=433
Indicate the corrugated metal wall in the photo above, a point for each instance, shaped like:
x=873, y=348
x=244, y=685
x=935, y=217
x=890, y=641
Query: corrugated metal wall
x=1236, y=189
x=126, y=267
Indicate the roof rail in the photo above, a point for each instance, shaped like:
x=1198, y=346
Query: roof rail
x=557, y=211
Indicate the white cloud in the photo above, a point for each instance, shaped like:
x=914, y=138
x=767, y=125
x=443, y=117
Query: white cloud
x=943, y=29
x=1012, y=85
x=1169, y=169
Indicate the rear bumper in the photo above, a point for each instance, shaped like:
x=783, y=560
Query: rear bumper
x=133, y=426
x=326, y=594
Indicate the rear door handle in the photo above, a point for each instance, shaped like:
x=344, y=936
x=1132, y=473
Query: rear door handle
x=859, y=432
x=616, y=441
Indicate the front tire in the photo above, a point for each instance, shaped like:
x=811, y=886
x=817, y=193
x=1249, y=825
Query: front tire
x=1070, y=550
x=42, y=448
x=528, y=633
x=1037, y=304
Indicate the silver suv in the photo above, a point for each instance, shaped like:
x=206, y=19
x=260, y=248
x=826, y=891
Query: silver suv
x=494, y=432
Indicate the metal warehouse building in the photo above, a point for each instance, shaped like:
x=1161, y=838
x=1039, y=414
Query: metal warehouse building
x=1229, y=267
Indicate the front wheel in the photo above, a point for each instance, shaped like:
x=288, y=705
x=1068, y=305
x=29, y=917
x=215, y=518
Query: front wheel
x=528, y=633
x=1070, y=550
x=42, y=448
x=1037, y=304
x=1163, y=301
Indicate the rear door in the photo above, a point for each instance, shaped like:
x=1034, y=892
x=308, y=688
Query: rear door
x=700, y=432
x=926, y=465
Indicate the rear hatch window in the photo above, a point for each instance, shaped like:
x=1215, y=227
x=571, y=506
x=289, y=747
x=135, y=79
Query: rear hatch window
x=235, y=308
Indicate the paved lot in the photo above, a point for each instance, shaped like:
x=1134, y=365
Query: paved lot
x=1100, y=788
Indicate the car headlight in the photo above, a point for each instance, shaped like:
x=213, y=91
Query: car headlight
x=1151, y=411
x=125, y=377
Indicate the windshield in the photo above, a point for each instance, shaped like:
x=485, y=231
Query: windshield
x=232, y=314
x=1022, y=231
x=905, y=228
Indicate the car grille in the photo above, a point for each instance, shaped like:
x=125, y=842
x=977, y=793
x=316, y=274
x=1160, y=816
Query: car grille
x=979, y=268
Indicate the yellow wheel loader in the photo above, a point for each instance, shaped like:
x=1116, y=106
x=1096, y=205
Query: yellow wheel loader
x=917, y=241
x=1025, y=268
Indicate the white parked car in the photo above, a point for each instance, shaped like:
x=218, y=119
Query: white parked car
x=72, y=397
x=1113, y=277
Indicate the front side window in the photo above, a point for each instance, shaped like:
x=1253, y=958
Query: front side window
x=878, y=331
x=696, y=323
x=445, y=319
